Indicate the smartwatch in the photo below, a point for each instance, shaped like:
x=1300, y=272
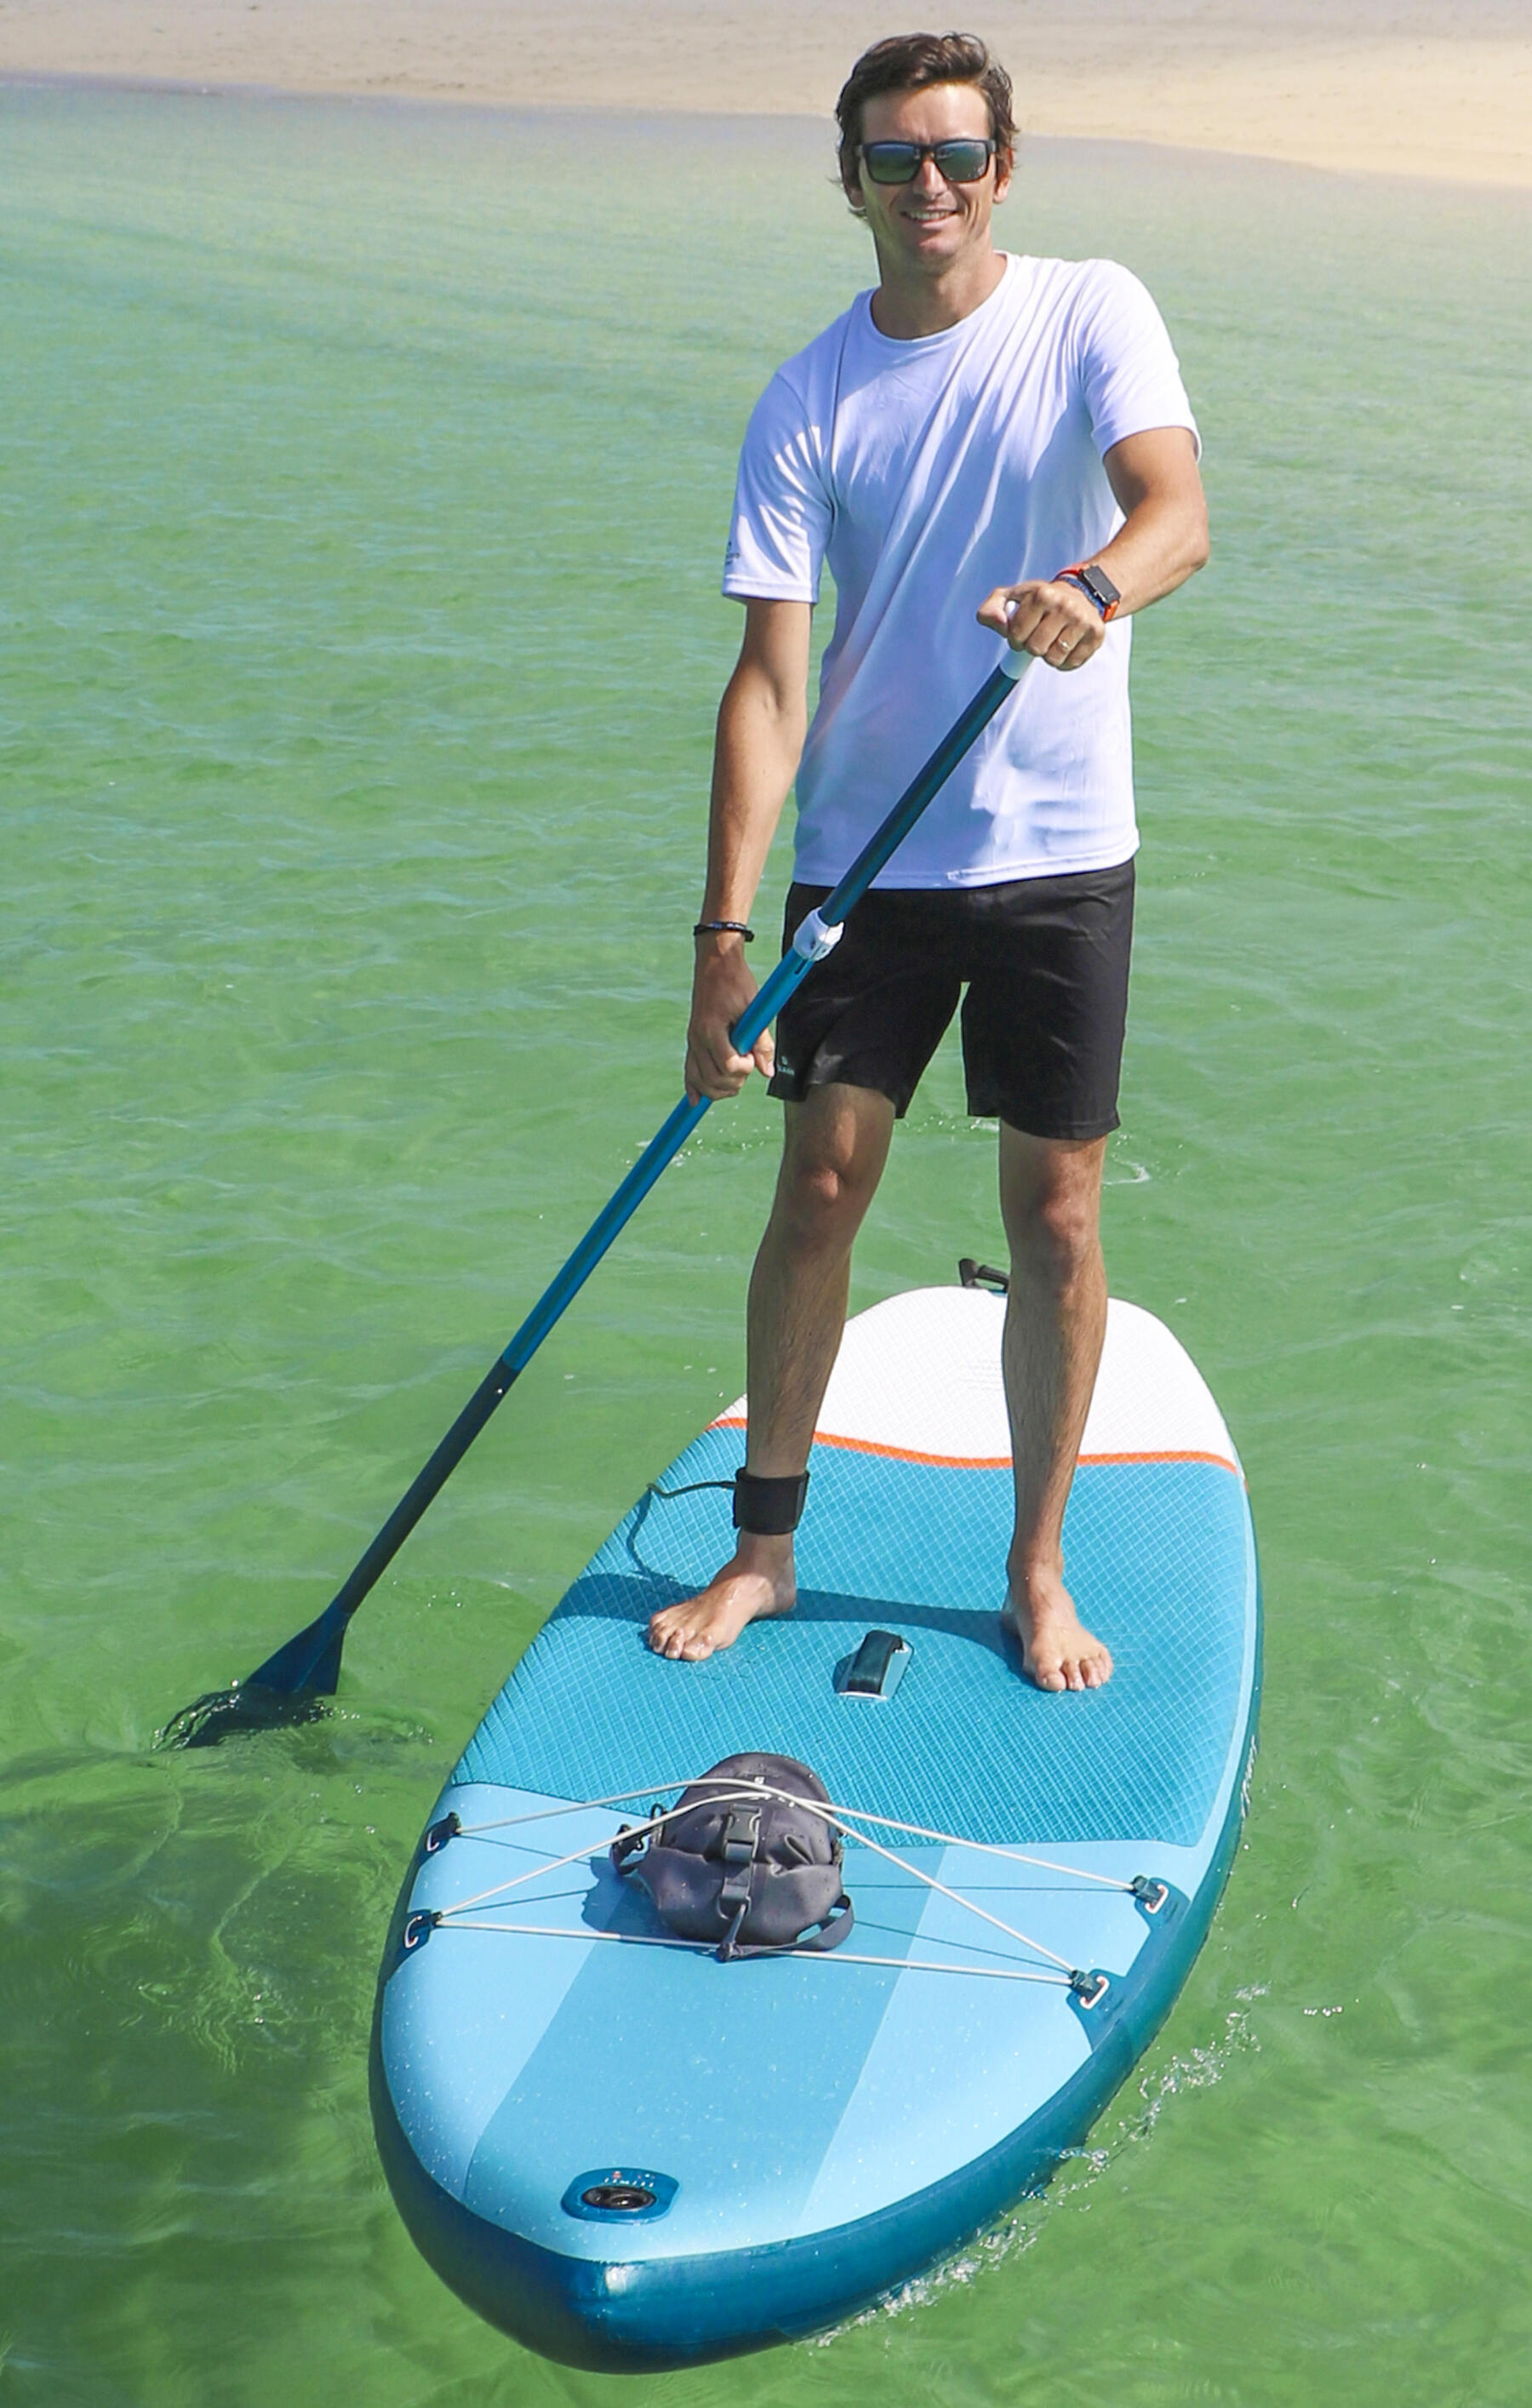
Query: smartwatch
x=1092, y=579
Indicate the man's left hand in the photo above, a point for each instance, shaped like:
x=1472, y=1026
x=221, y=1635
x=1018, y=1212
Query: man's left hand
x=1054, y=621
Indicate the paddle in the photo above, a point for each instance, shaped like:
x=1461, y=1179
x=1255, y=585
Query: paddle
x=291, y=1684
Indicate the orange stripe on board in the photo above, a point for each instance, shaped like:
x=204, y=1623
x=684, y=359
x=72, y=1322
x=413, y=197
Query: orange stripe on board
x=979, y=1462
x=1190, y=1455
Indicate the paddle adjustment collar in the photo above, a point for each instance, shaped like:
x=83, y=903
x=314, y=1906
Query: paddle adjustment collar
x=768, y=1509
x=815, y=937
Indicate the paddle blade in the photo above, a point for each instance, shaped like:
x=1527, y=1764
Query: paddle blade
x=289, y=1687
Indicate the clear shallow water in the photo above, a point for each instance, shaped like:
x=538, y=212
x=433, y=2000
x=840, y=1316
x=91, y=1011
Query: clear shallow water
x=363, y=477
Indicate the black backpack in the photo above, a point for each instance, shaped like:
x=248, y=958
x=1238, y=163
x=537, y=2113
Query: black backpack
x=753, y=1878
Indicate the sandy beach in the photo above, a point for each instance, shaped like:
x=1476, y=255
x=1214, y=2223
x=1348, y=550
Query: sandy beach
x=1395, y=87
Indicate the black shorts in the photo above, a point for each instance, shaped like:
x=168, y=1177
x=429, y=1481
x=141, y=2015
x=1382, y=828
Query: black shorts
x=1045, y=962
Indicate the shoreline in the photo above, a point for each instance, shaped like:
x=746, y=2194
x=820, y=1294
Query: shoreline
x=473, y=105
x=1437, y=93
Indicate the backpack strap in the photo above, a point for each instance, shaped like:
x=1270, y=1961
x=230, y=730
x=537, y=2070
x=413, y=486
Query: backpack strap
x=830, y=1934
x=741, y=1836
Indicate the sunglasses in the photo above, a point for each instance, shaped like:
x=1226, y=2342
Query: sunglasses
x=963, y=160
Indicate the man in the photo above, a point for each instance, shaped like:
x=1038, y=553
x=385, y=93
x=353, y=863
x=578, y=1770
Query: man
x=983, y=443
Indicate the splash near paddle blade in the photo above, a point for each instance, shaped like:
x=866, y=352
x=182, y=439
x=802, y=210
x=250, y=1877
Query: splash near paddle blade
x=244, y=1706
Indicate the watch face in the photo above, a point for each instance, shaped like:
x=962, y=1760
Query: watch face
x=1101, y=587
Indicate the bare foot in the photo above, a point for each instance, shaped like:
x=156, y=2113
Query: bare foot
x=759, y=1582
x=1058, y=1650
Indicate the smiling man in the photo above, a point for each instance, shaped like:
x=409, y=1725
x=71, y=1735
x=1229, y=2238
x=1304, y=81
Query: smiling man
x=985, y=442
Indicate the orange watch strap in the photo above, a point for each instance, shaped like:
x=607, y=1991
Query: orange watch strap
x=1078, y=568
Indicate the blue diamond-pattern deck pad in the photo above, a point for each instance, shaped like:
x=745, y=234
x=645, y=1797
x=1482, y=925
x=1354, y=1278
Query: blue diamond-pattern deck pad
x=1159, y=1560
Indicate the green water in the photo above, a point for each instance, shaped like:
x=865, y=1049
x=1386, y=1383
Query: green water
x=363, y=485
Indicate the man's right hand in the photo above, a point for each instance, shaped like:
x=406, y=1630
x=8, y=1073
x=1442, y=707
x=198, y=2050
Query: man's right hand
x=721, y=986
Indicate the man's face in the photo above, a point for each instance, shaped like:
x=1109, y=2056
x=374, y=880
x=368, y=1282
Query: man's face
x=928, y=222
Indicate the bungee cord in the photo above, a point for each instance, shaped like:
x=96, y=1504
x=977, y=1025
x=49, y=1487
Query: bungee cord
x=827, y=1814
x=819, y=1957
x=579, y=1806
x=578, y=1856
x=863, y=1814
x=986, y=1847
x=744, y=1791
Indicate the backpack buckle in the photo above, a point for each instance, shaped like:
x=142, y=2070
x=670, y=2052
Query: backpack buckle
x=742, y=1836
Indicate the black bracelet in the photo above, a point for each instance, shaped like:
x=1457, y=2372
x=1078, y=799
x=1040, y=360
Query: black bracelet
x=724, y=927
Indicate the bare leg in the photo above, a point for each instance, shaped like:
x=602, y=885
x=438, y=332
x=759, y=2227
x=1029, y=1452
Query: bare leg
x=1055, y=1321
x=834, y=1148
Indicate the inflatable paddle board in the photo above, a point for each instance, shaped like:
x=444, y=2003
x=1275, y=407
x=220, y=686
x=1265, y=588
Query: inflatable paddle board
x=630, y=2154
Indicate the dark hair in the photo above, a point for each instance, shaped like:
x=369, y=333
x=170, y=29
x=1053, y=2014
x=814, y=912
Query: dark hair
x=910, y=61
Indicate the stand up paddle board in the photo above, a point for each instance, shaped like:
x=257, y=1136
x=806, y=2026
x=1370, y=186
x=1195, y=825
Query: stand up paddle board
x=630, y=2154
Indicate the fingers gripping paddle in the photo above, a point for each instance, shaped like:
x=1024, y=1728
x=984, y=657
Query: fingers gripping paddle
x=291, y=1684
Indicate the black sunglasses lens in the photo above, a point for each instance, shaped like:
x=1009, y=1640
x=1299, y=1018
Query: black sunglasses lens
x=890, y=162
x=962, y=162
x=898, y=163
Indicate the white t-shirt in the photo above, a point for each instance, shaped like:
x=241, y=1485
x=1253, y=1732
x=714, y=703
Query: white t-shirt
x=928, y=473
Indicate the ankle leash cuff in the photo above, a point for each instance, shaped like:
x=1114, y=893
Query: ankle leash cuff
x=768, y=1509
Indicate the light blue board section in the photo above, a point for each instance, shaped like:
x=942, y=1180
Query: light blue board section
x=784, y=2096
x=1157, y=1558
x=457, y=2030
x=957, y=2064
x=730, y=2085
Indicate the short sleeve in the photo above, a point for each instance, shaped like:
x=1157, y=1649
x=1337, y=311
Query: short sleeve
x=783, y=511
x=1130, y=373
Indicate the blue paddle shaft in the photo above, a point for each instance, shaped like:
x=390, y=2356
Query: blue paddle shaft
x=312, y=1660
